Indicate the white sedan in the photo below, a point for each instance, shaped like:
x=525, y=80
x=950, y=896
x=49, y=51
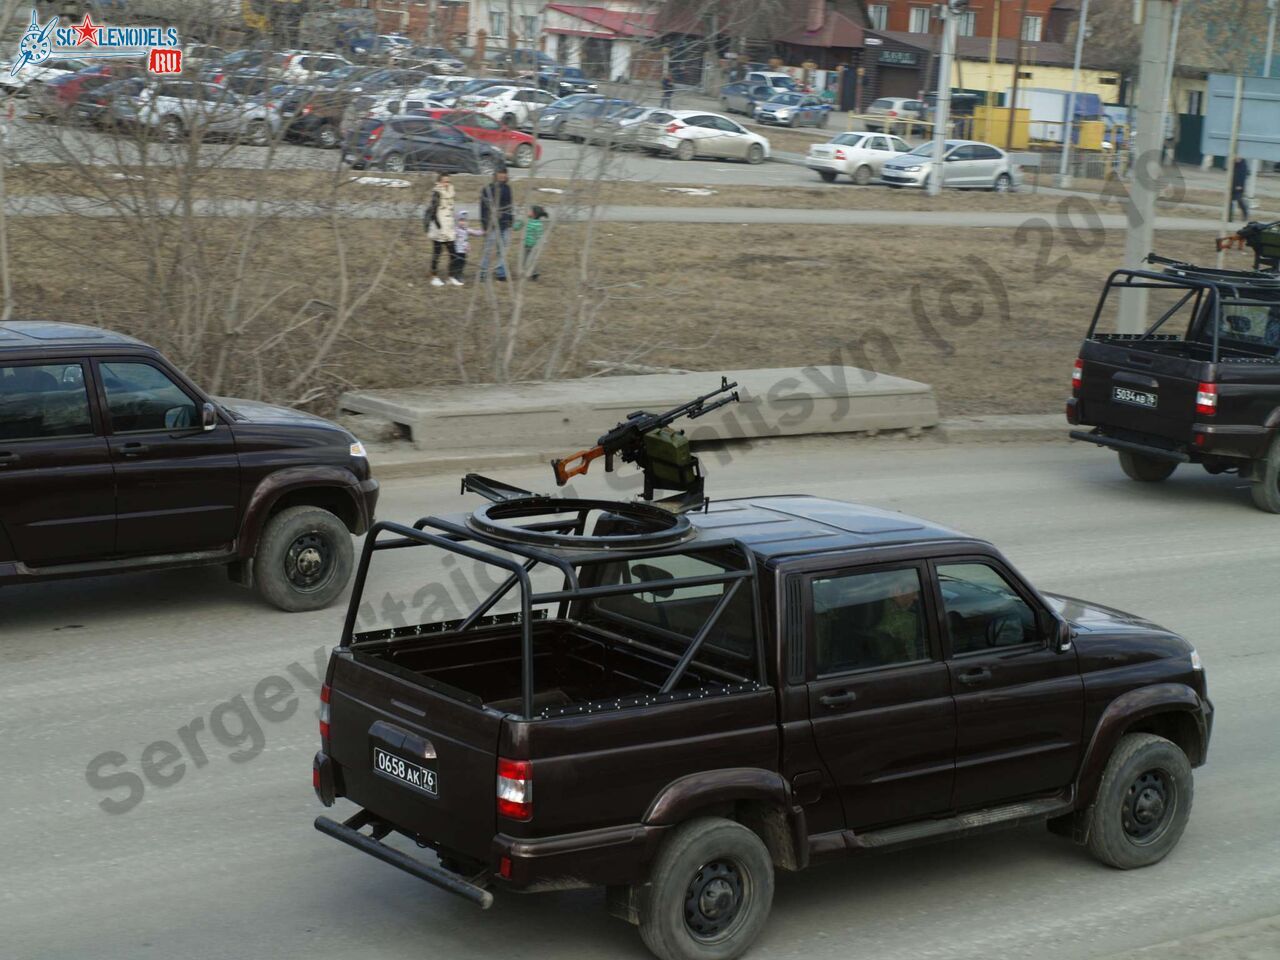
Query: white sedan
x=859, y=156
x=686, y=134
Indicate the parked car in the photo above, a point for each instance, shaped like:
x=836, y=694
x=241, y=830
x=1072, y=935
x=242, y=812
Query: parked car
x=742, y=97
x=196, y=55
x=436, y=58
x=381, y=47
x=522, y=59
x=686, y=134
x=585, y=123
x=895, y=114
x=1198, y=383
x=781, y=680
x=252, y=83
x=519, y=148
x=93, y=106
x=776, y=79
x=551, y=119
x=33, y=76
x=793, y=110
x=397, y=144
x=621, y=128
x=966, y=164
x=254, y=60
x=176, y=109
x=859, y=156
x=563, y=81
x=114, y=462
x=516, y=106
x=302, y=66
x=56, y=98
x=314, y=115
x=447, y=83
x=342, y=78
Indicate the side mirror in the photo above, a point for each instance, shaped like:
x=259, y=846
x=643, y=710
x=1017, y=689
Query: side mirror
x=1063, y=636
x=208, y=417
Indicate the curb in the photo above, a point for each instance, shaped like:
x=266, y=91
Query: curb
x=401, y=460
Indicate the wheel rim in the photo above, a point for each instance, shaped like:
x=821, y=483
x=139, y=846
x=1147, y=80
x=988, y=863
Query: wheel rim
x=258, y=133
x=1002, y=184
x=524, y=155
x=755, y=154
x=308, y=563
x=327, y=137
x=714, y=900
x=685, y=151
x=863, y=176
x=486, y=167
x=1148, y=808
x=172, y=130
x=395, y=163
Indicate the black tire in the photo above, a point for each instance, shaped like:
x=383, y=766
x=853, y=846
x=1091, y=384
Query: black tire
x=826, y=117
x=710, y=892
x=1144, y=801
x=1265, y=486
x=172, y=129
x=394, y=163
x=862, y=176
x=1003, y=184
x=1146, y=469
x=755, y=154
x=327, y=136
x=258, y=133
x=304, y=559
x=523, y=156
x=510, y=120
x=686, y=150
x=486, y=167
x=828, y=175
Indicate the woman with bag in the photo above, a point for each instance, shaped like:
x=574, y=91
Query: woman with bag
x=440, y=227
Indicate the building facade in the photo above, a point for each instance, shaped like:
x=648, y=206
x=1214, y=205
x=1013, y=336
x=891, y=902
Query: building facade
x=1045, y=20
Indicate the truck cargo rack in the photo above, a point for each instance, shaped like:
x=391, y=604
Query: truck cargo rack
x=489, y=536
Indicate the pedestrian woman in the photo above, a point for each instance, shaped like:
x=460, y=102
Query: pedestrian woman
x=1239, y=178
x=440, y=227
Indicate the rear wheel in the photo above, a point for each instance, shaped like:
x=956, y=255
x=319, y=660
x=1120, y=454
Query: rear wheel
x=171, y=129
x=1003, y=184
x=327, y=136
x=304, y=559
x=1143, y=804
x=685, y=151
x=1146, y=469
x=258, y=133
x=393, y=163
x=828, y=175
x=509, y=119
x=486, y=167
x=710, y=892
x=862, y=176
x=1265, y=486
x=523, y=157
x=755, y=154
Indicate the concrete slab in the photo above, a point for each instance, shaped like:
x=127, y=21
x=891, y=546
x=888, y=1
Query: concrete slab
x=559, y=417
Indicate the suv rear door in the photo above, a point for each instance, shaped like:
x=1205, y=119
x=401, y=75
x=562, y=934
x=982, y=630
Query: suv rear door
x=177, y=485
x=879, y=692
x=57, y=491
x=1019, y=701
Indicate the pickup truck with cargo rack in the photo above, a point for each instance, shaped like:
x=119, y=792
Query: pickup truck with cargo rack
x=113, y=461
x=676, y=702
x=1199, y=384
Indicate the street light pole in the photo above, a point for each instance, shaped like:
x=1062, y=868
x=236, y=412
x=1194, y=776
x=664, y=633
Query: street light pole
x=942, y=116
x=1168, y=74
x=1064, y=166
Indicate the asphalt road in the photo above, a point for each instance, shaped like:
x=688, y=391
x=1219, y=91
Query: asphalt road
x=224, y=863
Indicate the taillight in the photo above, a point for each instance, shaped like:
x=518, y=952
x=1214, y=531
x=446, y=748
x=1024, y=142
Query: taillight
x=324, y=715
x=840, y=155
x=892, y=113
x=482, y=103
x=673, y=127
x=1077, y=374
x=374, y=135
x=1207, y=399
x=307, y=109
x=515, y=789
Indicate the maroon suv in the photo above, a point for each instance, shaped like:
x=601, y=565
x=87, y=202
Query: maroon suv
x=111, y=460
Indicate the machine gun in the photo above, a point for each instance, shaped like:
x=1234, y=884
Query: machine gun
x=661, y=453
x=1262, y=238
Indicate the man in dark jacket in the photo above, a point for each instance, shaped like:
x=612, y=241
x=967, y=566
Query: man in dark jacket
x=497, y=215
x=668, y=88
x=1239, y=178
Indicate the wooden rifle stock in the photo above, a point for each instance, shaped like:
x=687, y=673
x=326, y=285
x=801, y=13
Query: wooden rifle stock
x=575, y=465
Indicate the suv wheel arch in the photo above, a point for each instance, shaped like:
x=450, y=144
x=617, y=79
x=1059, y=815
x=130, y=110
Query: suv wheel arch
x=329, y=488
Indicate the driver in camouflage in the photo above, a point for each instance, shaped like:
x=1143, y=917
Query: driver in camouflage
x=898, y=631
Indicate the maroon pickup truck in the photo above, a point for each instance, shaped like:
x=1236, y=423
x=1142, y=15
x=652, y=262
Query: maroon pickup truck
x=112, y=461
x=677, y=705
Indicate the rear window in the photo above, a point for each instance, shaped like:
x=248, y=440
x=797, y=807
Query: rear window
x=882, y=104
x=660, y=118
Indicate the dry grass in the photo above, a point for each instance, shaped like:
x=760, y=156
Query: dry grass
x=969, y=311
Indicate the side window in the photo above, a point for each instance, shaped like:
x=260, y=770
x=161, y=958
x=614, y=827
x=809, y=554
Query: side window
x=142, y=397
x=867, y=620
x=982, y=610
x=900, y=145
x=878, y=143
x=39, y=402
x=961, y=153
x=983, y=152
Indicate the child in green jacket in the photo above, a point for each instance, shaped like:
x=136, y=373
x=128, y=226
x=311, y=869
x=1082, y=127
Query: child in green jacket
x=534, y=228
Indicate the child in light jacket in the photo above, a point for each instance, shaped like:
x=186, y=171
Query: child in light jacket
x=461, y=245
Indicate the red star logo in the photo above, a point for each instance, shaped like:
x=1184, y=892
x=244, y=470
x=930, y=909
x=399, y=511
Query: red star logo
x=88, y=31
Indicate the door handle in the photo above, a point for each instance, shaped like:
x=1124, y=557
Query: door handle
x=977, y=675
x=7, y=458
x=841, y=699
x=133, y=449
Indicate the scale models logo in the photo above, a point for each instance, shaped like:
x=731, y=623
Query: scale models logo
x=95, y=41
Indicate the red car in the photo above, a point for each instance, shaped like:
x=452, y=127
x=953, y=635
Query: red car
x=520, y=148
x=57, y=97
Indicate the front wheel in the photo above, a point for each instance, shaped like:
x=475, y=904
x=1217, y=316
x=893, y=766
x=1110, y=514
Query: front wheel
x=685, y=151
x=258, y=133
x=523, y=157
x=1143, y=804
x=327, y=136
x=304, y=559
x=755, y=154
x=710, y=892
x=1146, y=469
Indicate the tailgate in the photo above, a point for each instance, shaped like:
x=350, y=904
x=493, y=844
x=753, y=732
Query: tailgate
x=1140, y=390
x=418, y=758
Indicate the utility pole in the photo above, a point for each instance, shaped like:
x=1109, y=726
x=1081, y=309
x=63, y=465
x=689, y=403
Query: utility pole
x=1256, y=165
x=1168, y=76
x=1155, y=16
x=1237, y=106
x=991, y=66
x=942, y=115
x=1064, y=165
x=1017, y=69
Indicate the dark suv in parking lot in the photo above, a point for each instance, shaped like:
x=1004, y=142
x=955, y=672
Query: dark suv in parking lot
x=112, y=461
x=418, y=143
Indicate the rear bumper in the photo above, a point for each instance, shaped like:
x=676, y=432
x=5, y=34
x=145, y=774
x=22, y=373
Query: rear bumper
x=1207, y=440
x=1147, y=450
x=606, y=857
x=371, y=843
